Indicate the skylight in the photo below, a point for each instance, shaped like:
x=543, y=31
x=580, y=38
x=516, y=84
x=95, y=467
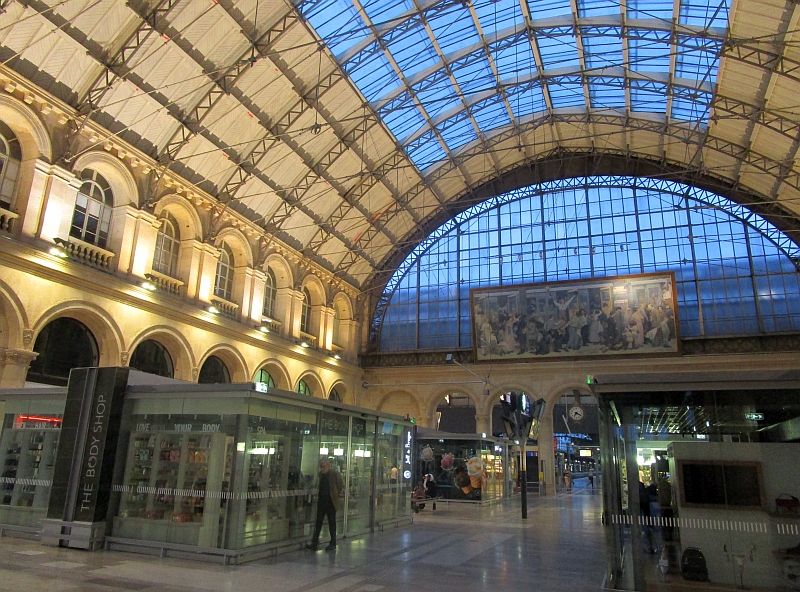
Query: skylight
x=444, y=74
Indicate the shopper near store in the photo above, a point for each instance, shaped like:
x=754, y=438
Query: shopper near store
x=330, y=487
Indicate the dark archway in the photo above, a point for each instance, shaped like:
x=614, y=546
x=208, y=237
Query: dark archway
x=456, y=413
x=214, y=371
x=152, y=357
x=62, y=345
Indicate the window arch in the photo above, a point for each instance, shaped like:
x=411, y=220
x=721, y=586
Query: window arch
x=63, y=344
x=265, y=377
x=735, y=272
x=223, y=282
x=214, y=371
x=91, y=219
x=305, y=311
x=335, y=396
x=152, y=357
x=168, y=242
x=10, y=158
x=270, y=295
x=303, y=388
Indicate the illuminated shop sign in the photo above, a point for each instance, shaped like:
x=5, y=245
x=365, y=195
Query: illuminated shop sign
x=754, y=416
x=407, y=456
x=36, y=422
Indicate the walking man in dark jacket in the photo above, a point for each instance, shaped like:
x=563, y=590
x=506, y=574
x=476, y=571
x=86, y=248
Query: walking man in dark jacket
x=330, y=486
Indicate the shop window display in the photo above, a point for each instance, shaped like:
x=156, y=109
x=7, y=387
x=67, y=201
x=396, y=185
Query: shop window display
x=701, y=483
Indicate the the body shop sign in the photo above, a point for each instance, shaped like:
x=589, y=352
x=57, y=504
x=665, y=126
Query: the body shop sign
x=93, y=453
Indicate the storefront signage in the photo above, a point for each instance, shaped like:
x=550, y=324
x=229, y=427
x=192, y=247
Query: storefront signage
x=261, y=387
x=754, y=416
x=36, y=422
x=334, y=425
x=407, y=455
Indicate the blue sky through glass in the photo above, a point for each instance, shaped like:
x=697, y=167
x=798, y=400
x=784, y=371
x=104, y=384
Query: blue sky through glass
x=453, y=56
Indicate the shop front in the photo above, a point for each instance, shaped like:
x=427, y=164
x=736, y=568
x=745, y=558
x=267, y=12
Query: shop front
x=701, y=481
x=225, y=471
x=467, y=467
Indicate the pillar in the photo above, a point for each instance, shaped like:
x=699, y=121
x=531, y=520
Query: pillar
x=133, y=239
x=483, y=424
x=197, y=266
x=547, y=451
x=325, y=337
x=49, y=215
x=14, y=364
x=258, y=282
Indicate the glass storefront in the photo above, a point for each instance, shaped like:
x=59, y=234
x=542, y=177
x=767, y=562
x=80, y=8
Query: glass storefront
x=28, y=443
x=465, y=467
x=702, y=482
x=246, y=474
x=218, y=466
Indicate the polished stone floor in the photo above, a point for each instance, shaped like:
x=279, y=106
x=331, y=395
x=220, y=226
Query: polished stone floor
x=559, y=548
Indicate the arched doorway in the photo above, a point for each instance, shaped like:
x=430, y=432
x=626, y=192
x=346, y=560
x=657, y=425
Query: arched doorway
x=63, y=344
x=456, y=413
x=576, y=430
x=152, y=357
x=214, y=371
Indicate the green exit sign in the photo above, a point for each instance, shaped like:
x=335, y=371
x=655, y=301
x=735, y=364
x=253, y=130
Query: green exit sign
x=754, y=416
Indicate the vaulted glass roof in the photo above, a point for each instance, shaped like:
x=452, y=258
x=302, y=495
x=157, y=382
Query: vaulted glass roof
x=446, y=75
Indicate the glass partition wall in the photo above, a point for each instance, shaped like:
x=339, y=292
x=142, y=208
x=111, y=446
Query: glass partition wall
x=28, y=441
x=246, y=475
x=701, y=486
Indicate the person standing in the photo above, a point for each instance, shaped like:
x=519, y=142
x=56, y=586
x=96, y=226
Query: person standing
x=330, y=486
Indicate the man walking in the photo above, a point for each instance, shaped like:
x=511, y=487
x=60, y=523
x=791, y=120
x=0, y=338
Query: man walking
x=330, y=486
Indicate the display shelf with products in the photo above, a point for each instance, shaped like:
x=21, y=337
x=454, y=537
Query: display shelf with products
x=27, y=457
x=168, y=480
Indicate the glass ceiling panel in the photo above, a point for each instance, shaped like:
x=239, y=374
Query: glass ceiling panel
x=602, y=47
x=558, y=48
x=650, y=9
x=497, y=15
x=514, y=58
x=588, y=8
x=413, y=51
x=549, y=8
x=490, y=48
x=607, y=93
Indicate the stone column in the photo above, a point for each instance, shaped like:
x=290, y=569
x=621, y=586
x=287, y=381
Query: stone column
x=243, y=290
x=546, y=451
x=483, y=424
x=292, y=311
x=257, y=283
x=325, y=337
x=197, y=266
x=133, y=239
x=53, y=212
x=14, y=364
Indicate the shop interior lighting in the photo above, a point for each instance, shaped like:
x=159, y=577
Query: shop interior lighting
x=338, y=452
x=358, y=453
x=323, y=451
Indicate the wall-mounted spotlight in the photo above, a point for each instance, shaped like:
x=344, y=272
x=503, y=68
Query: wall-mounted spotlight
x=58, y=252
x=213, y=309
x=149, y=286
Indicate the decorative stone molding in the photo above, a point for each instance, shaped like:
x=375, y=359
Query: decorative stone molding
x=123, y=358
x=27, y=338
x=20, y=357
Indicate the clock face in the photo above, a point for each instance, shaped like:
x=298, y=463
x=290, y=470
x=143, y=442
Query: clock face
x=576, y=413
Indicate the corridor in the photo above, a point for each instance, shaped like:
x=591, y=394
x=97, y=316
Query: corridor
x=457, y=548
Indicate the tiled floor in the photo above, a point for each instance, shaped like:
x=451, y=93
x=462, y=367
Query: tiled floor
x=559, y=548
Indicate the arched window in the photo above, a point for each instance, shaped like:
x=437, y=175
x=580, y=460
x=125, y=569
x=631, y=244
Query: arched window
x=735, y=272
x=62, y=345
x=303, y=388
x=214, y=371
x=92, y=216
x=305, y=312
x=223, y=283
x=335, y=396
x=265, y=377
x=152, y=357
x=270, y=295
x=168, y=244
x=10, y=157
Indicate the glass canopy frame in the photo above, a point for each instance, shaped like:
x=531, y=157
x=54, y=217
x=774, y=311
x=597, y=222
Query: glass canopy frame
x=444, y=76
